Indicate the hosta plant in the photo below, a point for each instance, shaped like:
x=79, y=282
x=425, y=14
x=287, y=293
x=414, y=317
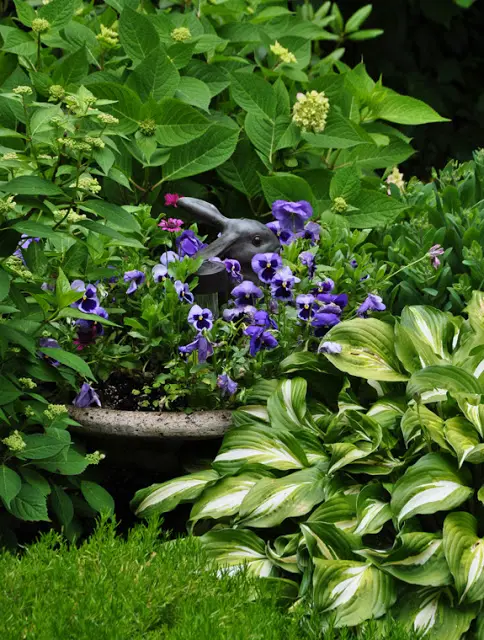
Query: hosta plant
x=371, y=505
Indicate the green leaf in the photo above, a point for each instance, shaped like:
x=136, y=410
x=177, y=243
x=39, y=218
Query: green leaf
x=464, y=440
x=67, y=464
x=179, y=123
x=193, y=91
x=345, y=184
x=373, y=510
x=259, y=445
x=4, y=284
x=160, y=498
x=109, y=232
x=58, y=12
x=97, y=497
x=37, y=229
x=69, y=312
x=112, y=213
x=432, y=383
x=10, y=484
x=271, y=501
x=69, y=360
x=464, y=551
x=416, y=558
x=40, y=446
x=210, y=150
x=367, y=350
x=432, y=484
x=372, y=156
x=25, y=12
x=137, y=34
x=62, y=505
x=127, y=107
x=237, y=550
x=72, y=68
x=156, y=77
x=242, y=168
x=287, y=405
x=253, y=93
x=29, y=504
x=36, y=479
x=365, y=34
x=389, y=105
x=475, y=311
x=352, y=591
x=325, y=540
x=31, y=186
x=376, y=209
x=339, y=133
x=358, y=18
x=15, y=336
x=265, y=134
x=285, y=186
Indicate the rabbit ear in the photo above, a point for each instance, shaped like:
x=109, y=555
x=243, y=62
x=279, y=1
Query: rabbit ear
x=203, y=211
x=219, y=246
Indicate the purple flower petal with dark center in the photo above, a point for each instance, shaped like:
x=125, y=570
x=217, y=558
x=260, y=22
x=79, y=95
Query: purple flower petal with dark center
x=246, y=293
x=353, y=263
x=285, y=235
x=307, y=259
x=201, y=319
x=135, y=278
x=292, y=215
x=305, y=306
x=330, y=348
x=86, y=397
x=263, y=319
x=311, y=232
x=341, y=299
x=372, y=303
x=200, y=344
x=89, y=302
x=265, y=265
x=283, y=283
x=322, y=321
x=323, y=287
x=227, y=385
x=160, y=273
x=233, y=269
x=259, y=339
x=237, y=313
x=188, y=244
x=184, y=293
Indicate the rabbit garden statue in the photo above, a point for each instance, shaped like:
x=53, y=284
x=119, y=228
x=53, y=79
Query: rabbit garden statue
x=239, y=239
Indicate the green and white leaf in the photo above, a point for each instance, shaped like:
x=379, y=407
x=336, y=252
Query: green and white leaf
x=433, y=383
x=327, y=541
x=372, y=509
x=236, y=549
x=464, y=551
x=287, y=405
x=464, y=440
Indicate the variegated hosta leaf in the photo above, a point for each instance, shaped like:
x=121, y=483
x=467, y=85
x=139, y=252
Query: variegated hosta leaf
x=360, y=437
x=160, y=498
x=352, y=591
x=372, y=509
x=431, y=332
x=432, y=484
x=339, y=510
x=433, y=383
x=270, y=501
x=475, y=311
x=347, y=400
x=276, y=449
x=377, y=464
x=432, y=614
x=387, y=413
x=255, y=415
x=287, y=405
x=324, y=540
x=464, y=551
x=367, y=350
x=464, y=440
x=471, y=407
x=261, y=391
x=284, y=552
x=416, y=558
x=418, y=417
x=223, y=499
x=233, y=549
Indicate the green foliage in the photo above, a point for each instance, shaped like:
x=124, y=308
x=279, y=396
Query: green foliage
x=373, y=505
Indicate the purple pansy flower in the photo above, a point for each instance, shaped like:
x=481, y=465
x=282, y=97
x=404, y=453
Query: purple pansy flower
x=86, y=397
x=307, y=259
x=311, y=232
x=233, y=269
x=292, y=215
x=188, y=243
x=24, y=245
x=259, y=339
x=227, y=385
x=331, y=348
x=50, y=343
x=340, y=299
x=263, y=319
x=169, y=256
x=285, y=235
x=246, y=293
x=323, y=320
x=372, y=303
x=265, y=265
x=135, y=278
x=236, y=313
x=89, y=330
x=200, y=344
x=353, y=263
x=283, y=283
x=305, y=306
x=200, y=318
x=89, y=302
x=323, y=287
x=160, y=273
x=183, y=291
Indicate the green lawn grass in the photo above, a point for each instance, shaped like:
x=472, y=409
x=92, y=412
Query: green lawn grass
x=137, y=588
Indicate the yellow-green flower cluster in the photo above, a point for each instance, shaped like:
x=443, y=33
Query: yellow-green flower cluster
x=310, y=112
x=89, y=184
x=7, y=204
x=339, y=204
x=56, y=92
x=79, y=106
x=75, y=145
x=69, y=217
x=27, y=383
x=40, y=25
x=148, y=127
x=22, y=90
x=14, y=441
x=12, y=155
x=396, y=178
x=95, y=458
x=16, y=265
x=108, y=37
x=97, y=143
x=107, y=118
x=282, y=53
x=181, y=34
x=54, y=411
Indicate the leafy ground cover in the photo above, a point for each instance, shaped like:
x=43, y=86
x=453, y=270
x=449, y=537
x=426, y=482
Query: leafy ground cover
x=114, y=589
